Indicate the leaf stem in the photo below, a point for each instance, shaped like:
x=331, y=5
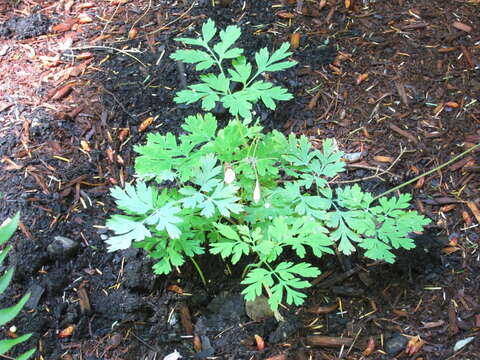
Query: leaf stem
x=199, y=270
x=428, y=172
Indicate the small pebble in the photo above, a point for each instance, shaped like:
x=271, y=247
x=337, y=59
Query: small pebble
x=258, y=309
x=396, y=344
x=62, y=247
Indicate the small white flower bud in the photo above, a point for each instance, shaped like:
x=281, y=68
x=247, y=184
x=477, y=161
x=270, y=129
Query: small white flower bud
x=228, y=174
x=256, y=193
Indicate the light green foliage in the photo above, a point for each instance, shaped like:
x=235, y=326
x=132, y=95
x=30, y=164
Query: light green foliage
x=296, y=208
x=238, y=191
x=8, y=314
x=237, y=98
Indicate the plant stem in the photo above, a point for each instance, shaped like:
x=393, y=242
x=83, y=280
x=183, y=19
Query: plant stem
x=428, y=172
x=200, y=272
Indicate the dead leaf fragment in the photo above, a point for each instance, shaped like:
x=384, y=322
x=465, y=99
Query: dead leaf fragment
x=62, y=92
x=59, y=28
x=186, y=318
x=433, y=324
x=450, y=250
x=452, y=104
x=348, y=3
x=145, y=124
x=197, y=343
x=86, y=5
x=84, y=55
x=285, y=15
x=83, y=300
x=461, y=26
x=384, y=159
x=260, y=343
x=419, y=184
x=361, y=78
x=474, y=209
x=68, y=331
x=122, y=135
x=11, y=334
x=176, y=289
x=132, y=34
x=400, y=312
x=322, y=309
x=447, y=208
x=370, y=347
x=84, y=18
x=85, y=145
x=466, y=218
x=295, y=40
x=414, y=345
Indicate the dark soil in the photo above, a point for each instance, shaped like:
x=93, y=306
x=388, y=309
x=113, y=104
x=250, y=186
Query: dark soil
x=25, y=27
x=61, y=154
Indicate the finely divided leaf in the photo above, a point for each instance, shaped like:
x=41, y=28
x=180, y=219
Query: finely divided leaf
x=242, y=70
x=165, y=218
x=225, y=199
x=217, y=82
x=197, y=92
x=228, y=37
x=208, y=175
x=287, y=274
x=330, y=159
x=256, y=279
x=200, y=128
x=126, y=230
x=268, y=93
x=135, y=200
x=238, y=103
x=271, y=63
x=203, y=59
x=299, y=151
x=208, y=30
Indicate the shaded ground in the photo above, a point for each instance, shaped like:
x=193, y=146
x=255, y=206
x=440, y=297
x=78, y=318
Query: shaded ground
x=72, y=105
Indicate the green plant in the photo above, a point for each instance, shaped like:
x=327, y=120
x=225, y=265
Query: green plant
x=237, y=88
x=241, y=192
x=8, y=314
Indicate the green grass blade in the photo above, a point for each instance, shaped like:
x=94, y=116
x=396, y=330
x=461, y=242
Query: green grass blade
x=27, y=354
x=7, y=344
x=5, y=279
x=7, y=230
x=9, y=313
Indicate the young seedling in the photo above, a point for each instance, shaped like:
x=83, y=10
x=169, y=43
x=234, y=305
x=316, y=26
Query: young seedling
x=8, y=314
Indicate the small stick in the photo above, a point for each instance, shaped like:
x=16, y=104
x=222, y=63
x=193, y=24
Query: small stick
x=428, y=172
x=98, y=47
x=378, y=174
x=173, y=21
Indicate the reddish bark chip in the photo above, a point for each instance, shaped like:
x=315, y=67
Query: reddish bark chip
x=461, y=26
